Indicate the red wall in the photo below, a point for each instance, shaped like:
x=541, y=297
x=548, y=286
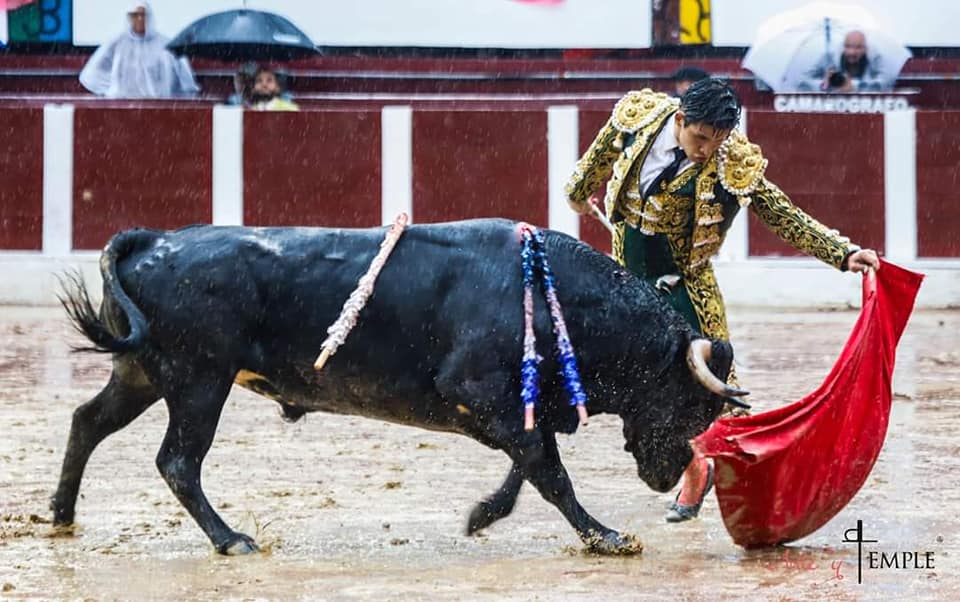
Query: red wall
x=830, y=165
x=139, y=167
x=151, y=166
x=21, y=179
x=480, y=164
x=311, y=168
x=938, y=179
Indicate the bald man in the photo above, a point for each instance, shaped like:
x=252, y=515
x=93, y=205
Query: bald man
x=856, y=71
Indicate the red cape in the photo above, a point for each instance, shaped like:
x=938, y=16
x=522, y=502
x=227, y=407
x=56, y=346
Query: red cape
x=783, y=474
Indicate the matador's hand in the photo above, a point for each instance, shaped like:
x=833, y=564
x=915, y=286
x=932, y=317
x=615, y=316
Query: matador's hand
x=862, y=260
x=583, y=208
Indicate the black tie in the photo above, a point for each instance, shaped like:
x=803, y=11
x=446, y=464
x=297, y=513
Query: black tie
x=669, y=172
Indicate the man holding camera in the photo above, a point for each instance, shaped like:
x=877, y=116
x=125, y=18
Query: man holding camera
x=856, y=72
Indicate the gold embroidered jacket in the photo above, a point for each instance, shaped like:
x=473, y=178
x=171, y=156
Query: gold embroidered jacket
x=694, y=210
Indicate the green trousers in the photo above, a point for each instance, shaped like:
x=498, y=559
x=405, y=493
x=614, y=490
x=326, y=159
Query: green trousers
x=649, y=257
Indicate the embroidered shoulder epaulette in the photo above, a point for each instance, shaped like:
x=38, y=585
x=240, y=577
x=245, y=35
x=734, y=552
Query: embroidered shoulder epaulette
x=639, y=108
x=740, y=165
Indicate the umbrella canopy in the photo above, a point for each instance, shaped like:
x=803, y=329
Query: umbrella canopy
x=783, y=474
x=789, y=45
x=243, y=35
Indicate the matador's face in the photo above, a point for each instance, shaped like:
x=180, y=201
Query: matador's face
x=698, y=140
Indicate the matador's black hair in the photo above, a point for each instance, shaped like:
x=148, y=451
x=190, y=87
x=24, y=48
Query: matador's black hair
x=712, y=102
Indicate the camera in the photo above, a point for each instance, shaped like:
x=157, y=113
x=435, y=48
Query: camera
x=837, y=80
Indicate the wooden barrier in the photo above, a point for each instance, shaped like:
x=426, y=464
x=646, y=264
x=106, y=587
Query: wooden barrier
x=152, y=166
x=21, y=178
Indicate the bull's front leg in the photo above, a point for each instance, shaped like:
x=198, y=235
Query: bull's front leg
x=541, y=465
x=498, y=505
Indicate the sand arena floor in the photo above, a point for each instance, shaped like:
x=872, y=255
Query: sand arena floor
x=349, y=508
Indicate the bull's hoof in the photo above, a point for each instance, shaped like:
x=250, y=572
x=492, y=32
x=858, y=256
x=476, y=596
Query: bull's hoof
x=481, y=517
x=614, y=544
x=62, y=517
x=486, y=513
x=238, y=546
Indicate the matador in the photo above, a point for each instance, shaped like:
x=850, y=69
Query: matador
x=677, y=173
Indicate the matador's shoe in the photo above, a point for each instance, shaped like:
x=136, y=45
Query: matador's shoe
x=679, y=513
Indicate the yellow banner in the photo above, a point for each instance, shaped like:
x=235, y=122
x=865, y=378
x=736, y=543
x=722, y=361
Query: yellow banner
x=695, y=22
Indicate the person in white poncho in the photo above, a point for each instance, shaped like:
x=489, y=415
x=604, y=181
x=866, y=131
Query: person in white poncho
x=137, y=63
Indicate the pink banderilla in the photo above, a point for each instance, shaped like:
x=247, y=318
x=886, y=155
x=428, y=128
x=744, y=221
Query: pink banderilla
x=337, y=333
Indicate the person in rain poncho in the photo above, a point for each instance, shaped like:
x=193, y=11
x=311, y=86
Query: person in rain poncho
x=677, y=173
x=137, y=63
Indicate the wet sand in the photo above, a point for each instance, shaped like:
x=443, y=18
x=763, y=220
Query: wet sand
x=351, y=509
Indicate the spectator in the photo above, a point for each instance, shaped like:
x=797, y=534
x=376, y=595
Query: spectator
x=684, y=76
x=856, y=71
x=137, y=64
x=267, y=94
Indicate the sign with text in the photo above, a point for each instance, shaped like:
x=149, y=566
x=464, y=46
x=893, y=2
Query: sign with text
x=835, y=103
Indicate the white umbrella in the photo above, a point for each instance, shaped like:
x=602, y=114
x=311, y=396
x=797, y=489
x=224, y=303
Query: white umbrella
x=790, y=44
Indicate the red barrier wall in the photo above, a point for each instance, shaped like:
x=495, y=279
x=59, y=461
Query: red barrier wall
x=311, y=168
x=480, y=164
x=152, y=166
x=139, y=167
x=831, y=166
x=21, y=179
x=938, y=179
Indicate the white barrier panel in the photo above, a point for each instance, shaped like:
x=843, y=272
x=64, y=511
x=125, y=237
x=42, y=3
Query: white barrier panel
x=900, y=185
x=227, y=166
x=396, y=163
x=57, y=180
x=562, y=153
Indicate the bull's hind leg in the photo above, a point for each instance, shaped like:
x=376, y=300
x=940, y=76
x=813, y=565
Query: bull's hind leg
x=194, y=414
x=498, y=505
x=124, y=398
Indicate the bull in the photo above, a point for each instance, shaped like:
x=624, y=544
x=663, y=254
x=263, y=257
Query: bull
x=188, y=313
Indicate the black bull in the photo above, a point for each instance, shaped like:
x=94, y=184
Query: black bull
x=186, y=314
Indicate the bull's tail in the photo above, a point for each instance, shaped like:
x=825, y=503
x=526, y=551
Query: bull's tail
x=91, y=323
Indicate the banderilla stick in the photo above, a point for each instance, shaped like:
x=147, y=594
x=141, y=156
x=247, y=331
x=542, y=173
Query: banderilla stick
x=597, y=213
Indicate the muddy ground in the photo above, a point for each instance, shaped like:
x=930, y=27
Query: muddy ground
x=349, y=508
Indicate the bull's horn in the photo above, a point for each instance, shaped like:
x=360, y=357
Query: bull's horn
x=698, y=354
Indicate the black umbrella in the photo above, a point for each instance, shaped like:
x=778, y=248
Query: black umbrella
x=243, y=35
